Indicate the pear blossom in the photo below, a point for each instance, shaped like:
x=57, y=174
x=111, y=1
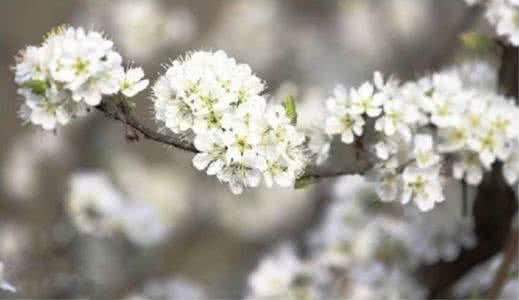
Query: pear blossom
x=398, y=117
x=212, y=155
x=341, y=119
x=365, y=101
x=241, y=137
x=449, y=113
x=469, y=167
x=423, y=186
x=132, y=82
x=71, y=70
x=424, y=152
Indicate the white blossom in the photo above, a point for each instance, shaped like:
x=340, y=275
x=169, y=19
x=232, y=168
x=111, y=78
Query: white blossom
x=504, y=15
x=424, y=151
x=275, y=275
x=71, y=70
x=341, y=120
x=451, y=114
x=423, y=186
x=241, y=136
x=469, y=168
x=365, y=101
x=132, y=82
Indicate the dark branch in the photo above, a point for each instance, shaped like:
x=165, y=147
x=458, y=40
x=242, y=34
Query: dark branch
x=130, y=120
x=502, y=273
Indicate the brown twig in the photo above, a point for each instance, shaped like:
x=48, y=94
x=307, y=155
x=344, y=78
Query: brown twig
x=510, y=254
x=130, y=120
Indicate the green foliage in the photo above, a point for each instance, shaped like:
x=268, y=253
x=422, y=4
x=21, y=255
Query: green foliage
x=290, y=107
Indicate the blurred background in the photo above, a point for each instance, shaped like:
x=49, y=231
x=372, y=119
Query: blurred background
x=196, y=232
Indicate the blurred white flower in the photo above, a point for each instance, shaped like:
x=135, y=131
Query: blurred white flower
x=176, y=288
x=4, y=285
x=94, y=204
x=479, y=280
x=144, y=27
x=249, y=30
x=28, y=154
x=504, y=15
x=440, y=234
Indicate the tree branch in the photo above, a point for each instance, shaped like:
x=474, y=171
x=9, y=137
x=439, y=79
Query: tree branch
x=130, y=120
x=502, y=273
x=120, y=112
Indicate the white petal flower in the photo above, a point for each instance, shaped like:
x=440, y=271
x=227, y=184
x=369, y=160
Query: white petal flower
x=133, y=82
x=365, y=101
x=469, y=168
x=424, y=151
x=422, y=186
x=71, y=70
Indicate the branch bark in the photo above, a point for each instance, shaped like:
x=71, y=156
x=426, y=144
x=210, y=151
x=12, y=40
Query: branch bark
x=130, y=120
x=502, y=273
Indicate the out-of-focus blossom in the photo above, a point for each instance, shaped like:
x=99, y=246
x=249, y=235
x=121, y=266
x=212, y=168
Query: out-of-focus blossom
x=254, y=24
x=504, y=16
x=95, y=206
x=26, y=157
x=177, y=288
x=4, y=285
x=476, y=283
x=282, y=275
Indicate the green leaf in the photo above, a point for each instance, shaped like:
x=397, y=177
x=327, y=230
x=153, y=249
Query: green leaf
x=37, y=86
x=290, y=108
x=478, y=42
x=305, y=181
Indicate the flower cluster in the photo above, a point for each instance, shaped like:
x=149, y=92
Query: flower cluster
x=504, y=16
x=239, y=135
x=416, y=125
x=71, y=71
